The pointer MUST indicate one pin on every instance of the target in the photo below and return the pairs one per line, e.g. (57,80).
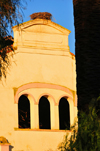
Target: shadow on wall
(11,147)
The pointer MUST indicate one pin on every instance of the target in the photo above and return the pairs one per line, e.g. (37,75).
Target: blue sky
(61,10)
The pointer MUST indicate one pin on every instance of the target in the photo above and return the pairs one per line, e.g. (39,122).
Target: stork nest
(41,15)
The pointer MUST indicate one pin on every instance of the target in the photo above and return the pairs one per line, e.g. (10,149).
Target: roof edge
(42,19)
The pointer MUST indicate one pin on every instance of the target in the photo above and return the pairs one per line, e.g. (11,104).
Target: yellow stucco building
(38,97)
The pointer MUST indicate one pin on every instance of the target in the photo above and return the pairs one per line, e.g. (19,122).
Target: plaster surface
(42,65)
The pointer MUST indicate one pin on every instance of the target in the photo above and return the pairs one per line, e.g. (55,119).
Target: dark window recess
(24,112)
(44,113)
(64,116)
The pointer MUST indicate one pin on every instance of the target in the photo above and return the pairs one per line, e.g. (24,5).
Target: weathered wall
(41,65)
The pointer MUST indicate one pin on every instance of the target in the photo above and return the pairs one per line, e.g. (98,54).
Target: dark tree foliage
(9,15)
(87,137)
(87,50)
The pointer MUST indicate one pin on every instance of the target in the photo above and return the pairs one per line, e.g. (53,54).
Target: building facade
(38,97)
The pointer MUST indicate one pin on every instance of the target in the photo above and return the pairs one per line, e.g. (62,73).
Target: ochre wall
(41,65)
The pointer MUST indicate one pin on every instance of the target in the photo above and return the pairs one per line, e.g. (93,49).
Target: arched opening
(64,116)
(44,113)
(23,112)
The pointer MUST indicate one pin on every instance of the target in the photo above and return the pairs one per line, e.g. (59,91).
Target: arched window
(44,113)
(24,112)
(64,116)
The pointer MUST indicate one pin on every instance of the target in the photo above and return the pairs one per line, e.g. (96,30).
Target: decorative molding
(48,95)
(42,130)
(40,85)
(76,99)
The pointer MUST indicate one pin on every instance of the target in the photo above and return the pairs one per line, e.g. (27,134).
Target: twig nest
(41,15)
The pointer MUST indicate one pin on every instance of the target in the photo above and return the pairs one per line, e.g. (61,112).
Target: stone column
(16,115)
(56,117)
(34,118)
(52,117)
(71,108)
(36,114)
(32,115)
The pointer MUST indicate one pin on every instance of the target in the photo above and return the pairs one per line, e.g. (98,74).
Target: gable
(41,33)
(45,25)
(42,29)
